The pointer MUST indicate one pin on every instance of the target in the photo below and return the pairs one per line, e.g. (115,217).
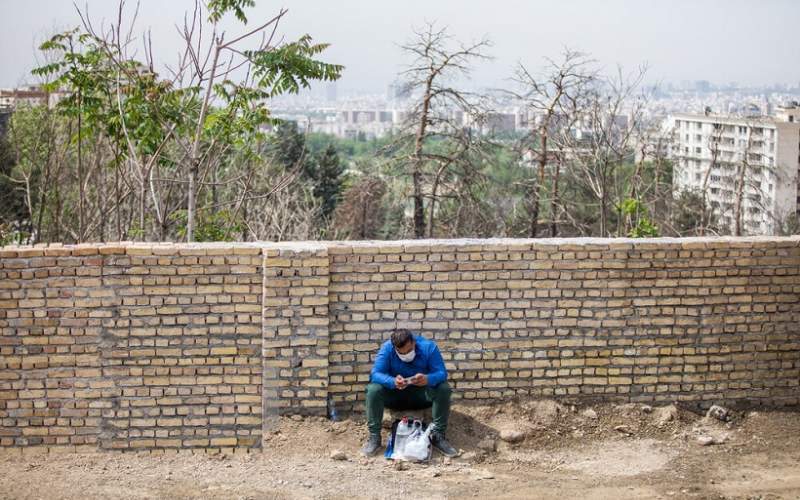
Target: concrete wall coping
(422,244)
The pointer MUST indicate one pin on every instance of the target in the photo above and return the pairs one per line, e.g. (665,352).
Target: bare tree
(714,145)
(607,132)
(554,99)
(441,109)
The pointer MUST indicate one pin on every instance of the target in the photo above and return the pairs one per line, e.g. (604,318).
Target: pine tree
(288,147)
(328,179)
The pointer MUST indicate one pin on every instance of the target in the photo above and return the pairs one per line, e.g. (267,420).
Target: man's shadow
(465,431)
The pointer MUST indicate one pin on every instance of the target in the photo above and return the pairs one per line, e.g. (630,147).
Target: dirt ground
(594,452)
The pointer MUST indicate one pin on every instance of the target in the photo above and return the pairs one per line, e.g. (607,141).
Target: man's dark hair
(401,337)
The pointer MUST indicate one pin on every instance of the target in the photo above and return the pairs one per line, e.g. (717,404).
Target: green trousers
(410,398)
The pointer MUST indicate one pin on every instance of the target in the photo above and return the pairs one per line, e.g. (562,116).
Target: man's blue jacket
(427,360)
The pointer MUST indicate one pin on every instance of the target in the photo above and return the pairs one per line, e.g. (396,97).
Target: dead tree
(606,140)
(551,97)
(439,108)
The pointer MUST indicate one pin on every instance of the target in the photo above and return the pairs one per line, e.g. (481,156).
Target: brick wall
(132,346)
(296,329)
(649,320)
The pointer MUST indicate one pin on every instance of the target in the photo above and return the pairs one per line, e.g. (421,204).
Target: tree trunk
(743,166)
(714,159)
(192,203)
(364,217)
(434,192)
(142,190)
(419,207)
(536,193)
(554,201)
(81,193)
(59,204)
(738,207)
(102,195)
(739,197)
(117,196)
(43,194)
(603,209)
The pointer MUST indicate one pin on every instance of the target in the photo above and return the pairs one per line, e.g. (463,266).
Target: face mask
(408,357)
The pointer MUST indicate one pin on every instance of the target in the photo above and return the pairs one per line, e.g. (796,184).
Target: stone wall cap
(347,246)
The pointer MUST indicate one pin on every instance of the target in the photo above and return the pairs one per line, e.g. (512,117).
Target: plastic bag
(418,445)
(407,433)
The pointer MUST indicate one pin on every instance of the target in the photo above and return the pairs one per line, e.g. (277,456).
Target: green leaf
(218,8)
(291,67)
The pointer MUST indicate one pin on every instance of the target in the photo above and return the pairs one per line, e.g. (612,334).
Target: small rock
(512,435)
(338,455)
(297,418)
(487,444)
(577,433)
(665,414)
(719,413)
(473,456)
(589,413)
(447,460)
(435,473)
(400,465)
(705,440)
(647,409)
(480,474)
(624,429)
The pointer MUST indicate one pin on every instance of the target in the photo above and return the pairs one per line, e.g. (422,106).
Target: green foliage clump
(642,226)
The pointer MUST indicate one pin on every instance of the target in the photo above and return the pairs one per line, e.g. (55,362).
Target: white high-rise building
(762,154)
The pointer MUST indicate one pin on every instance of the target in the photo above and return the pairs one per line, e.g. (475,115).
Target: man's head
(403,343)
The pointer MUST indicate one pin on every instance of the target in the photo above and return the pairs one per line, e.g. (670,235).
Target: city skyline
(717,41)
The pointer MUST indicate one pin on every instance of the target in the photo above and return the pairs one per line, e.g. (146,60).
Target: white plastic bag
(418,444)
(405,430)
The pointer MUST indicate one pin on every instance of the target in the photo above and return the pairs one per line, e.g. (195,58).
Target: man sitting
(409,374)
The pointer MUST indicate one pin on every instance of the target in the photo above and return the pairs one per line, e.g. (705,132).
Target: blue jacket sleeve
(438,372)
(380,370)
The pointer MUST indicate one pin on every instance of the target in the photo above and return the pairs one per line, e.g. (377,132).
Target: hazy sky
(748,41)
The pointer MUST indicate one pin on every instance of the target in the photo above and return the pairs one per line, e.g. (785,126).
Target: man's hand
(400,382)
(420,380)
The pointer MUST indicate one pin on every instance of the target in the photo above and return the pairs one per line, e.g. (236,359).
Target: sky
(752,42)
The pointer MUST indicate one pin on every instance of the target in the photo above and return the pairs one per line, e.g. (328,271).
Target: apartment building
(761,154)
(31,96)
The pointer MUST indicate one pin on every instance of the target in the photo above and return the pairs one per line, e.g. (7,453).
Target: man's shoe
(372,445)
(440,443)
